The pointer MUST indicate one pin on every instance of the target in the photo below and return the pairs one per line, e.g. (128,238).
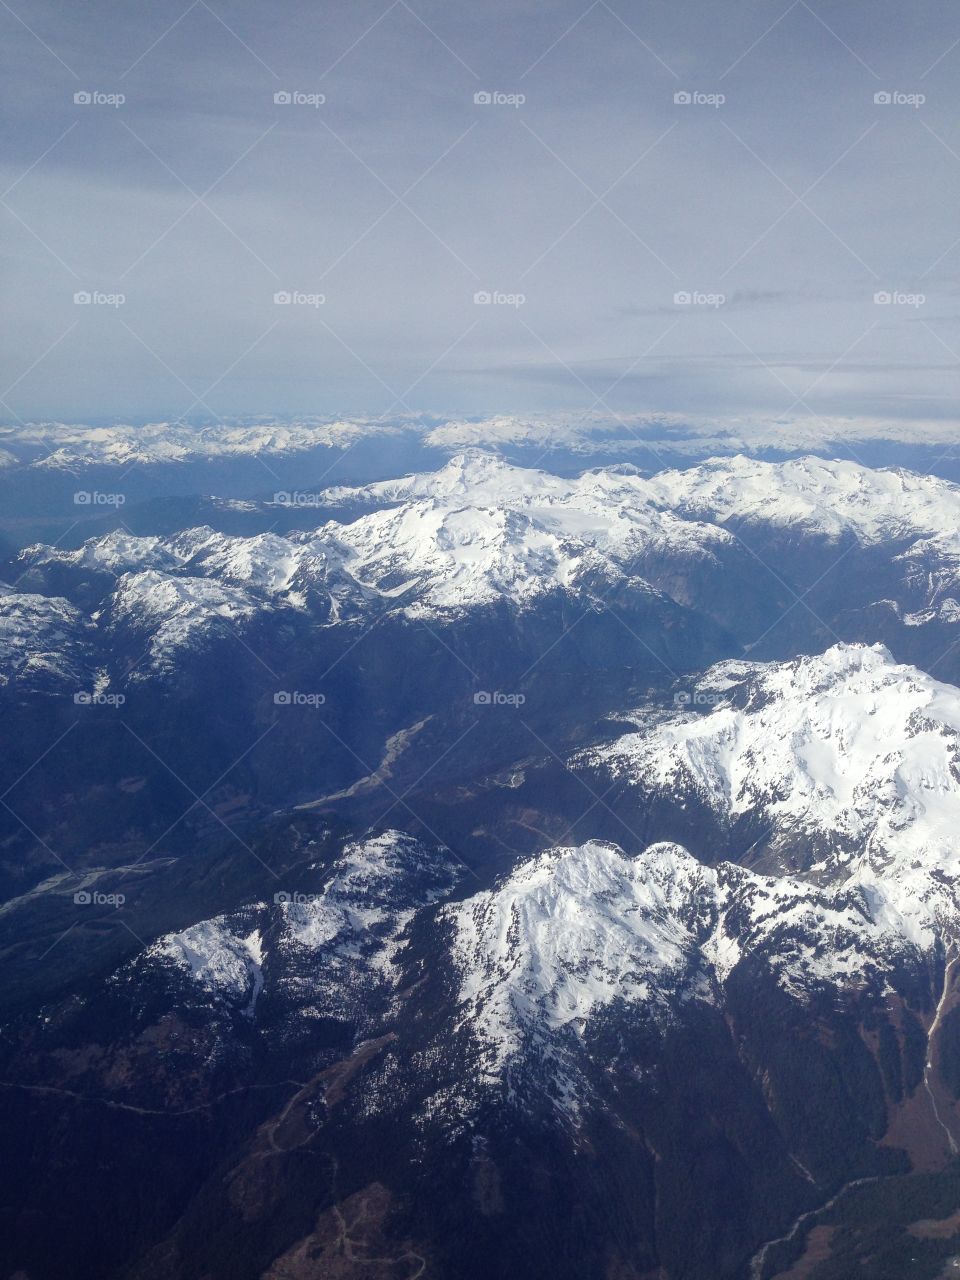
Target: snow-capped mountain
(480,533)
(867,553)
(217,959)
(577,933)
(54,446)
(45,644)
(847,764)
(810,495)
(57,446)
(170,615)
(813,496)
(439,561)
(570,937)
(357,1049)
(328,952)
(844,765)
(658,524)
(475,535)
(334,952)
(112,554)
(472,533)
(570,932)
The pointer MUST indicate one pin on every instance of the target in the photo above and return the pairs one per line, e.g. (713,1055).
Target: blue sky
(584,198)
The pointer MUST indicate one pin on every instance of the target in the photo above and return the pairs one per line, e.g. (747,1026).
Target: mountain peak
(846,761)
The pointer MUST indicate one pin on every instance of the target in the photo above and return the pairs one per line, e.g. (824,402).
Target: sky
(683,207)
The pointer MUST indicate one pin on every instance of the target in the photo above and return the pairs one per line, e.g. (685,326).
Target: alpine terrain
(482,871)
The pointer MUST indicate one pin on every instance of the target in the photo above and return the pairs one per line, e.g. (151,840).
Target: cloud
(398,197)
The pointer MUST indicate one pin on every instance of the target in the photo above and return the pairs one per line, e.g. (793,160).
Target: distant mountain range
(58,445)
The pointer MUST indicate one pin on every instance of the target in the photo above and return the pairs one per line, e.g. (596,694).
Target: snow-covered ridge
(374,887)
(578,930)
(459,513)
(480,531)
(176,611)
(64,446)
(45,643)
(323,951)
(814,495)
(111,553)
(848,754)
(69,446)
(216,958)
(473,533)
(572,930)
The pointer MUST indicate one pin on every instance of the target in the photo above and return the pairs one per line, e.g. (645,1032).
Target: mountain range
(510,871)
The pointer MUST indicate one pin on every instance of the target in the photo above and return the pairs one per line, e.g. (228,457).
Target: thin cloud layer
(390,208)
